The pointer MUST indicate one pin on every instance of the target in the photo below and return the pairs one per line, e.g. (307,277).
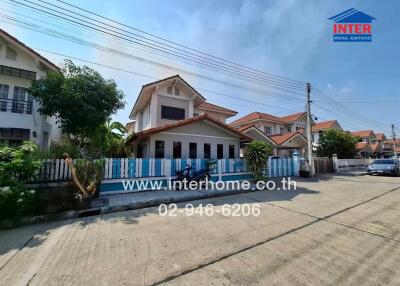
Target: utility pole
(309,141)
(394,142)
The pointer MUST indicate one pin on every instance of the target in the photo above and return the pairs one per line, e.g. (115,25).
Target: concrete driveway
(342,230)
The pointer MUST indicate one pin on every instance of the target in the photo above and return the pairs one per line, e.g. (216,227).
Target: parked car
(384,166)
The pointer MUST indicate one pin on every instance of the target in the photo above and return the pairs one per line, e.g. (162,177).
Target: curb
(157,202)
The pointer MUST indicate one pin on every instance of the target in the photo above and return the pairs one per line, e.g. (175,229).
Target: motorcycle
(201,177)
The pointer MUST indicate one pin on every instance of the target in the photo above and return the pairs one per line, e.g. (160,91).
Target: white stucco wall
(36,123)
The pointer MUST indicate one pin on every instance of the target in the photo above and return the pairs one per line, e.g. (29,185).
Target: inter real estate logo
(352,26)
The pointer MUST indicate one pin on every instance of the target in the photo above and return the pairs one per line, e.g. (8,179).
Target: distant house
(376,141)
(173,120)
(365,136)
(389,147)
(364,149)
(285,133)
(19,116)
(320,127)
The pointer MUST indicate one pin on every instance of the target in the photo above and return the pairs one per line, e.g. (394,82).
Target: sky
(284,37)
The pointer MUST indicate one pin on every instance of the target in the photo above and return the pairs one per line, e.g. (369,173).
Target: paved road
(335,231)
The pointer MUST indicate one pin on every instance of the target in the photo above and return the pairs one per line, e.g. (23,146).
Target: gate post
(335,163)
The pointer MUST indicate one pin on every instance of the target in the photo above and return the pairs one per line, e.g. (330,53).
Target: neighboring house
(376,141)
(320,127)
(19,118)
(389,148)
(172,120)
(364,149)
(365,136)
(130,127)
(285,133)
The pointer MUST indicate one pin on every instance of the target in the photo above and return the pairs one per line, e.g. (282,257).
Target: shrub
(256,154)
(17,165)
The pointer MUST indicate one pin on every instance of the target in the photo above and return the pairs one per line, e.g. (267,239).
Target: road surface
(342,230)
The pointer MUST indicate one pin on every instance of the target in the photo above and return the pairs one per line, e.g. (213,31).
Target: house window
(11,54)
(177,151)
(169,90)
(139,151)
(281,130)
(268,129)
(231,151)
(172,113)
(17,72)
(177,91)
(207,150)
(18,99)
(192,150)
(289,129)
(312,138)
(3,95)
(220,151)
(159,152)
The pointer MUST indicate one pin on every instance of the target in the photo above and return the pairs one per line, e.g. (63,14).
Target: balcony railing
(16,106)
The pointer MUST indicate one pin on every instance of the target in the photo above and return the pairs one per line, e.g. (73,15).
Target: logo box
(352,26)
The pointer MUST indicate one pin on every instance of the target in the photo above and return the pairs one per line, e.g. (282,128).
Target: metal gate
(323,165)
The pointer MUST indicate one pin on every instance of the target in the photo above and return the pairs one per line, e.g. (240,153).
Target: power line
(53,33)
(156,78)
(177,44)
(135,40)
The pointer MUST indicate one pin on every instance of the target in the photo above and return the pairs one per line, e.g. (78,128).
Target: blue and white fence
(118,170)
(143,168)
(283,167)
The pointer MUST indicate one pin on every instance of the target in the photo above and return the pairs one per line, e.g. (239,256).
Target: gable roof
(179,123)
(376,147)
(279,139)
(363,146)
(253,127)
(380,136)
(265,116)
(363,133)
(319,126)
(216,108)
(292,117)
(148,86)
(352,16)
(28,50)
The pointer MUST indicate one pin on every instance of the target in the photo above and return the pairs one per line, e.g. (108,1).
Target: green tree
(256,154)
(333,141)
(80,98)
(109,140)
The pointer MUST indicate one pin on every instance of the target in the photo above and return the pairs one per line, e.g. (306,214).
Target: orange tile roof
(292,117)
(390,141)
(380,136)
(363,133)
(265,116)
(376,147)
(282,138)
(361,145)
(179,123)
(216,108)
(323,125)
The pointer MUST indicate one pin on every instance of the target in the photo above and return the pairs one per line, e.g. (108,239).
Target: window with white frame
(18,99)
(3,95)
(268,130)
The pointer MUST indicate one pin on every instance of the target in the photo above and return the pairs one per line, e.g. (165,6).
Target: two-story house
(19,118)
(173,120)
(319,127)
(285,133)
(371,144)
(390,146)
